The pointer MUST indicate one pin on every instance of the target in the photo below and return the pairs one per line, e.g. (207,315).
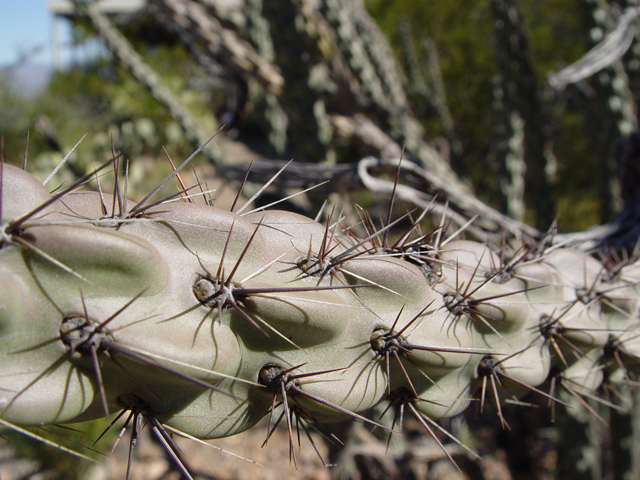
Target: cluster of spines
(520,321)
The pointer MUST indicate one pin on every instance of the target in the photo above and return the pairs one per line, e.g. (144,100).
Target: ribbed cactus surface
(204,320)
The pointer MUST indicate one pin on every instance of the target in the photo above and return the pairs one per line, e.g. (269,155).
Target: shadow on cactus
(201,321)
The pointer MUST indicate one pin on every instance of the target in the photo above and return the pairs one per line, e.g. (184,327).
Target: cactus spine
(203,320)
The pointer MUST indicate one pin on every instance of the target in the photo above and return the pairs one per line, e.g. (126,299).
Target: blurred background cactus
(492,151)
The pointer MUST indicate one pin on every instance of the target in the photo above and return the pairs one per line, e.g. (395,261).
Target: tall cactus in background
(613,107)
(202,321)
(521,90)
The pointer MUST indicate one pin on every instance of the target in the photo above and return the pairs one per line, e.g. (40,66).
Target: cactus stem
(113,347)
(613,348)
(460,302)
(402,247)
(503,272)
(138,212)
(615,261)
(386,343)
(139,410)
(273,377)
(280,382)
(91,337)
(14,225)
(490,367)
(219,292)
(565,382)
(139,207)
(400,398)
(477,305)
(93,347)
(47,371)
(119,195)
(316,265)
(10,231)
(29,246)
(552,331)
(302,417)
(487,369)
(403,240)
(345,255)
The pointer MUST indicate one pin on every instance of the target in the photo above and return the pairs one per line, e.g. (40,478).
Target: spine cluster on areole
(203,321)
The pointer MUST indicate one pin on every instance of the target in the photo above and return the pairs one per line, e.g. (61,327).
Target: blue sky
(25,25)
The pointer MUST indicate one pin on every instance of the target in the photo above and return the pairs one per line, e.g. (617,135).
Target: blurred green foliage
(101,98)
(463,32)
(104,100)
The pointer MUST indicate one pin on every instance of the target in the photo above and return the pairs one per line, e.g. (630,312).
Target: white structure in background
(63,10)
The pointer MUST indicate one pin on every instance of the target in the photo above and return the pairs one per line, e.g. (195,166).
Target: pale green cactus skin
(68,261)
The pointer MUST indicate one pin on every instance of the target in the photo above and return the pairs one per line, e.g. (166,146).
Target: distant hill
(27,79)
